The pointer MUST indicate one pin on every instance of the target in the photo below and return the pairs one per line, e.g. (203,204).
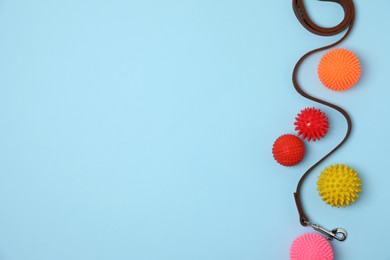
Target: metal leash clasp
(336,233)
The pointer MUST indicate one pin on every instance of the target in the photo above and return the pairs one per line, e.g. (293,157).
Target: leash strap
(346,23)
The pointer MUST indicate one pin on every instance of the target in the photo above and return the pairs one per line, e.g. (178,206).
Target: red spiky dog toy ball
(288,150)
(312,124)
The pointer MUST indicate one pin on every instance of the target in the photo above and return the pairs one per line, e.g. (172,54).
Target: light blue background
(143,130)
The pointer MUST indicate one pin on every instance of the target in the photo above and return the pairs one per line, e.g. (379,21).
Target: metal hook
(336,233)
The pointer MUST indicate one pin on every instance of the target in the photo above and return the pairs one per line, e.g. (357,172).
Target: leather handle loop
(307,22)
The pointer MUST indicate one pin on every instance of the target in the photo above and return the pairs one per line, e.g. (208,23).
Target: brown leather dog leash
(347,23)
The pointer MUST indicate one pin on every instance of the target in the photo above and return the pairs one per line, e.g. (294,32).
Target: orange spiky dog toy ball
(339,69)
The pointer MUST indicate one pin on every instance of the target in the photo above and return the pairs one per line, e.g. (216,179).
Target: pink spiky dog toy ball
(311,246)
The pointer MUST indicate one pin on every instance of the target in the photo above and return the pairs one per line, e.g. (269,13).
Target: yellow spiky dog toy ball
(339,185)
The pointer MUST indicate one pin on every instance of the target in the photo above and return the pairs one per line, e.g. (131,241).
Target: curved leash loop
(346,23)
(307,22)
